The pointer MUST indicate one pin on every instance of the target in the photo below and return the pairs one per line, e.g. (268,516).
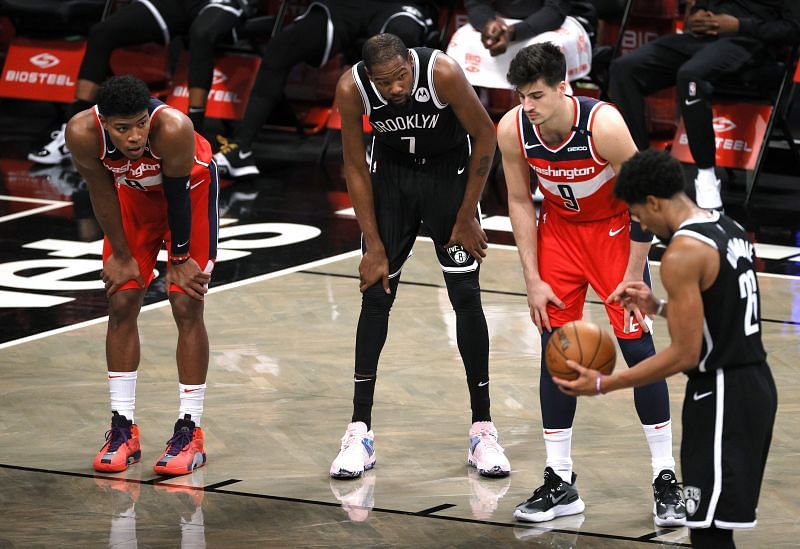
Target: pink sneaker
(357,453)
(485,453)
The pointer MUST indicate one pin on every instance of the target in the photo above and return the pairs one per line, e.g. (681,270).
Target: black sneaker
(669,508)
(554,498)
(234,161)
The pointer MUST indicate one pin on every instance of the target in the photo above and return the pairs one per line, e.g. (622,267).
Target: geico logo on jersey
(722,124)
(33,77)
(410,122)
(458,254)
(219,77)
(422,95)
(581,148)
(569,173)
(45,60)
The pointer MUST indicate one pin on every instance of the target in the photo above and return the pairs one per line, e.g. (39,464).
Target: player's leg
(651,401)
(309,39)
(398,223)
(559,266)
(185,450)
(440,190)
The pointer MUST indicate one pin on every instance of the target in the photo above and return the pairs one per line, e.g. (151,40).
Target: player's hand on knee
(374,267)
(117,271)
(190,278)
(470,235)
(539,295)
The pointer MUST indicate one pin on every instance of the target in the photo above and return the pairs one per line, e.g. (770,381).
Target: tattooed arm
(452,87)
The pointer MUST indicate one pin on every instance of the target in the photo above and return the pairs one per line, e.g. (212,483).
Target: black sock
(198,116)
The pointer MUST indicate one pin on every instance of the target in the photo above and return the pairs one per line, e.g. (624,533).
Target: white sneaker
(357,453)
(54,152)
(707,195)
(485,454)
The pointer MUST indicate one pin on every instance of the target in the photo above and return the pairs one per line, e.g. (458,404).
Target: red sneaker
(185,451)
(121,448)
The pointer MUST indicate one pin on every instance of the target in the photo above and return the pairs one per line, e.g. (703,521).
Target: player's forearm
(523,223)
(637,259)
(359,188)
(479,165)
(105,204)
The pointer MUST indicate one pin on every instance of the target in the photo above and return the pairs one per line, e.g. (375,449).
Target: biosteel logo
(219,77)
(45,60)
(722,124)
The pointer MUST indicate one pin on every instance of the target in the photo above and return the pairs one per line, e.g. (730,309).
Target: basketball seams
(597,347)
(576,335)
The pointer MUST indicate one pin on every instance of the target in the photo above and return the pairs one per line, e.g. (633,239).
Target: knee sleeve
(464,290)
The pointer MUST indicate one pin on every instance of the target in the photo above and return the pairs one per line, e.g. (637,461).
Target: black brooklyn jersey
(424,126)
(732,323)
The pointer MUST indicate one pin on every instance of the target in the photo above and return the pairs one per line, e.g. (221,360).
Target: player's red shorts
(573,256)
(144,221)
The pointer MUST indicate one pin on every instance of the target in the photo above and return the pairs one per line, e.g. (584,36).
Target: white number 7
(412,144)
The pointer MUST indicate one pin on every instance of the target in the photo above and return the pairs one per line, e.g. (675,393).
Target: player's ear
(653,203)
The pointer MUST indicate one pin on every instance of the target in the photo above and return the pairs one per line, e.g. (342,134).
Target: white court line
(164,302)
(49,205)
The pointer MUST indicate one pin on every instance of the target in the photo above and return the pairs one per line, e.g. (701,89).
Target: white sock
(659,438)
(559,449)
(192,397)
(706,187)
(122,387)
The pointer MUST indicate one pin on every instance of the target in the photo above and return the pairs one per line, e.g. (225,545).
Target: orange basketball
(585,343)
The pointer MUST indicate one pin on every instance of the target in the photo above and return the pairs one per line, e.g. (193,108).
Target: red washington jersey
(576,183)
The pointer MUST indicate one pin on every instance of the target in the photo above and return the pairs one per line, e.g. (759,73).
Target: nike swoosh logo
(559,498)
(190,390)
(461,170)
(483,384)
(701,396)
(376,107)
(195,185)
(182,245)
(532,146)
(662,425)
(360,380)
(553,432)
(691,102)
(615,233)
(245,156)
(114,377)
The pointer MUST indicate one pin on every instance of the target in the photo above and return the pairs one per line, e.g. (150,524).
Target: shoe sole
(494,472)
(342,474)
(229,171)
(48,161)
(675,522)
(133,458)
(558,511)
(193,466)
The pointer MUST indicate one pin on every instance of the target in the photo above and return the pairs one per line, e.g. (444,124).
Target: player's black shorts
(351,20)
(407,193)
(727,428)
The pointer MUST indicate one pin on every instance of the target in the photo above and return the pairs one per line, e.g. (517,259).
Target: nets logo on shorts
(458,254)
(691,495)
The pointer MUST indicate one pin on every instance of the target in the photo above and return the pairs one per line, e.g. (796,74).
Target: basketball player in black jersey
(432,146)
(713,314)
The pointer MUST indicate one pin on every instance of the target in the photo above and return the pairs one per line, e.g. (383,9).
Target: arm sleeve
(179,213)
(547,18)
(479,12)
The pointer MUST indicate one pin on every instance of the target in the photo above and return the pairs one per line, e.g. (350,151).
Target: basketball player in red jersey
(584,236)
(151,181)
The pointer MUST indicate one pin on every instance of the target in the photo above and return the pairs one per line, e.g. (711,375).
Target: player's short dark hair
(650,172)
(544,60)
(382,48)
(123,96)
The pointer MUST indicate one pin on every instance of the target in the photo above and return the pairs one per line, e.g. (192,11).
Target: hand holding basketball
(583,342)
